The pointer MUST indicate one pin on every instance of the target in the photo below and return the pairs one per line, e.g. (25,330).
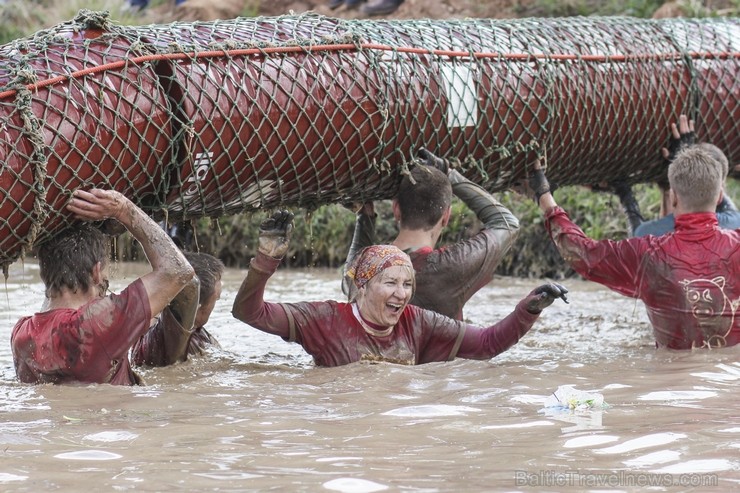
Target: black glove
(676,145)
(543,296)
(429,159)
(275,234)
(539,184)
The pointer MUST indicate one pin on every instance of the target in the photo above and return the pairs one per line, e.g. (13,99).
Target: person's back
(448,276)
(84,335)
(63,345)
(688,280)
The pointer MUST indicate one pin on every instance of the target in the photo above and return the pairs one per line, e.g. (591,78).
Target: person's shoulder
(423,252)
(136,288)
(482,241)
(60,322)
(337,305)
(23,324)
(656,227)
(325,308)
(410,314)
(413,313)
(729,219)
(23,320)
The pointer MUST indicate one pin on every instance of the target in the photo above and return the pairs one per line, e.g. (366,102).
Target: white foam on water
(354,485)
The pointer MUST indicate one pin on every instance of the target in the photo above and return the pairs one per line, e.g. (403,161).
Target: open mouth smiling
(395,307)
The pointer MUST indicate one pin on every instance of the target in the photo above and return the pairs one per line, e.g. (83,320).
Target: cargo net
(211,119)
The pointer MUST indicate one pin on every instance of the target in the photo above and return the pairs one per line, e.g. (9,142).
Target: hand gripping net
(210,119)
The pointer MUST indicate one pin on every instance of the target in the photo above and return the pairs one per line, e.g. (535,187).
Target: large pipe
(208,119)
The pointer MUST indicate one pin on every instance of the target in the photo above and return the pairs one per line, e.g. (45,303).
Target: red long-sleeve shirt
(689,280)
(332,333)
(155,347)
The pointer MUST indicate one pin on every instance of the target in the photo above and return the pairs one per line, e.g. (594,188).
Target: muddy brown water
(258,416)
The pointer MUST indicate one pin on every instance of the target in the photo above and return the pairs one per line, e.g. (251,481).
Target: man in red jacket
(689,280)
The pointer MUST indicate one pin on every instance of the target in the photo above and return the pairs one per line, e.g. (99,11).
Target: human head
(75,260)
(423,198)
(209,270)
(373,260)
(384,280)
(696,179)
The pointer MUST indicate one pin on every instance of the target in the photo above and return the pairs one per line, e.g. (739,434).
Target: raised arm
(487,209)
(611,263)
(485,343)
(249,304)
(170,270)
(682,137)
(363,236)
(167,340)
(183,306)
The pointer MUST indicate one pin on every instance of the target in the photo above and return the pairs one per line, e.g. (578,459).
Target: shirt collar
(696,220)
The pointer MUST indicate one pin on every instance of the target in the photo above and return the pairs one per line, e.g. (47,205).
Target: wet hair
(716,153)
(67,260)
(209,270)
(423,197)
(696,178)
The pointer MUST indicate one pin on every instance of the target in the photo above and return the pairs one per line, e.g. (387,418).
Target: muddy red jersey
(688,280)
(86,345)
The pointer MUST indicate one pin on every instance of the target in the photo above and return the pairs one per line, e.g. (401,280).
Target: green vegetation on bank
(321,237)
(632,8)
(19,18)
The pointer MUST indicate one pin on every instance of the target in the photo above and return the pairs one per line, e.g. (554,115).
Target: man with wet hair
(688,280)
(446,277)
(179,332)
(83,334)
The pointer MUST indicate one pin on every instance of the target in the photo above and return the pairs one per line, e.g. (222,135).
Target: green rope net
(211,119)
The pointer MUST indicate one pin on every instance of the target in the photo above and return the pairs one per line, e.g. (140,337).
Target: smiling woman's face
(383,299)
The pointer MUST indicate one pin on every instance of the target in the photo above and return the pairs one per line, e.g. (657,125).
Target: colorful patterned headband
(373,260)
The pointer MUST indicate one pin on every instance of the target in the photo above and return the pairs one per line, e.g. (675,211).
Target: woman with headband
(378,324)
